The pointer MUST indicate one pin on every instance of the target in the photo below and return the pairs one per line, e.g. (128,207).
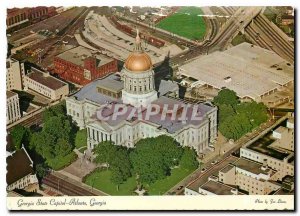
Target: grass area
(240,38)
(162,186)
(101,181)
(61,162)
(80,139)
(185,22)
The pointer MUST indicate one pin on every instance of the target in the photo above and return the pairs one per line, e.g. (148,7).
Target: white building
(15,73)
(277,150)
(136,88)
(45,84)
(20,173)
(13,112)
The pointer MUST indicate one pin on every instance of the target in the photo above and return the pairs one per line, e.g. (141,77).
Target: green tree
(63,147)
(117,176)
(169,150)
(122,161)
(41,170)
(226,96)
(148,159)
(225,111)
(20,135)
(189,159)
(44,144)
(105,152)
(59,127)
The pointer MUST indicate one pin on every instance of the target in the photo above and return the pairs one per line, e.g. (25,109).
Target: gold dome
(138,60)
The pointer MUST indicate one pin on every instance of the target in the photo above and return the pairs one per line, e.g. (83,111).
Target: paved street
(218,155)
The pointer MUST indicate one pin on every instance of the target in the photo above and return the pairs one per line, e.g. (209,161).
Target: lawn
(81,139)
(185,22)
(62,162)
(162,186)
(101,180)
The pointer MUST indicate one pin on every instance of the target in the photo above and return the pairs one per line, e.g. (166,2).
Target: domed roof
(138,60)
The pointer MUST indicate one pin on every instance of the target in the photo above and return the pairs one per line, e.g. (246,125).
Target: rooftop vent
(213,178)
(234,191)
(264,167)
(227,79)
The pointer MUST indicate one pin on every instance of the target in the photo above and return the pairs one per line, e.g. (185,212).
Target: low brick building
(81,65)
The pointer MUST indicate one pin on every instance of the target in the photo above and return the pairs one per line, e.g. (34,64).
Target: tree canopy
(189,159)
(153,158)
(226,96)
(20,135)
(238,118)
(57,136)
(150,160)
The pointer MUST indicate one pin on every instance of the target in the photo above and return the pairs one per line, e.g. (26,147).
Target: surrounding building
(242,176)
(13,112)
(252,72)
(81,65)
(45,84)
(287,19)
(276,149)
(255,178)
(136,88)
(20,173)
(15,73)
(20,17)
(217,188)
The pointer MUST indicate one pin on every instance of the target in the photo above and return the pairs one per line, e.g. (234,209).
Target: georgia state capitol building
(135,86)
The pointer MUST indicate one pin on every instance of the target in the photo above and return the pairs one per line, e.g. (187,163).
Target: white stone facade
(15,73)
(13,112)
(46,85)
(23,182)
(127,134)
(138,88)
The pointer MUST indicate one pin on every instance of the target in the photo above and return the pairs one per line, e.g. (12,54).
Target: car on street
(214,162)
(180,187)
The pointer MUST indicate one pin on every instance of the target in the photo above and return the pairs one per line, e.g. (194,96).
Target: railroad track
(65,187)
(262,33)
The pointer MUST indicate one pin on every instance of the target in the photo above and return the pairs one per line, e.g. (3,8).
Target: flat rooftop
(45,79)
(249,70)
(204,177)
(89,92)
(262,145)
(114,83)
(218,188)
(251,166)
(227,168)
(78,54)
(10,94)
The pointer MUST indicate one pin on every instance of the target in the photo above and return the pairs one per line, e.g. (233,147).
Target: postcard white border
(129,202)
(224,202)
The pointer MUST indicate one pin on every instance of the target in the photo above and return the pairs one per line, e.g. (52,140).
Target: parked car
(214,162)
(180,187)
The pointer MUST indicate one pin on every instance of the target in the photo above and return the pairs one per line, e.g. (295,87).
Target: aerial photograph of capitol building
(150,101)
